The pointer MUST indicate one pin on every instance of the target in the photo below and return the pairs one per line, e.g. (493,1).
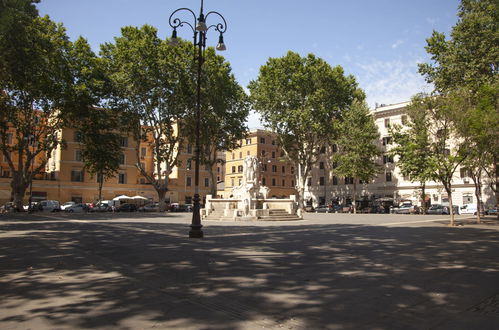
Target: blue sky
(380,42)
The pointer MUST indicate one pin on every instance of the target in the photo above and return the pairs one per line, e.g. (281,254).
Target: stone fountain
(249,200)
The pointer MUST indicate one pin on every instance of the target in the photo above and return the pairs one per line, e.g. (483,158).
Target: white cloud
(431,20)
(390,82)
(397,43)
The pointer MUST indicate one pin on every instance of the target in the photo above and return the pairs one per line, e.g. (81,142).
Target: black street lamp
(199,28)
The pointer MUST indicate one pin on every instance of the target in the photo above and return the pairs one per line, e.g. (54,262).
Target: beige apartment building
(275,173)
(65,179)
(324,187)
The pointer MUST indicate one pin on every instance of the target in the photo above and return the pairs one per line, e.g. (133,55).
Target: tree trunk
(162,197)
(101,183)
(213,184)
(451,209)
(18,191)
(354,202)
(478,194)
(423,197)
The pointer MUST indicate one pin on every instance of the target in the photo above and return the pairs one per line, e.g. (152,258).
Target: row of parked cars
(104,206)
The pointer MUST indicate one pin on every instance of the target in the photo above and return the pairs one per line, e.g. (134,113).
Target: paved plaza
(328,271)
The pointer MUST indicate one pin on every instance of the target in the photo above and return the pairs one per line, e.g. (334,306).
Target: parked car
(405,208)
(50,206)
(127,207)
(324,209)
(468,209)
(76,208)
(66,205)
(101,207)
(309,208)
(438,209)
(491,211)
(152,207)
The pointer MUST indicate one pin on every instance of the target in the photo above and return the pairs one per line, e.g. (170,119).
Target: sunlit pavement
(328,271)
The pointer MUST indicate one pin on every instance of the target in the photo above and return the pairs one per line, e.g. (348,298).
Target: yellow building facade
(65,178)
(275,173)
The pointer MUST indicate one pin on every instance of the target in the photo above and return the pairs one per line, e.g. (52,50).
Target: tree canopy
(299,98)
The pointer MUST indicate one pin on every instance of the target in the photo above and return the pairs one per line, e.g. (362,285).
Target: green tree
(299,99)
(225,109)
(443,133)
(37,87)
(150,84)
(412,147)
(357,149)
(465,69)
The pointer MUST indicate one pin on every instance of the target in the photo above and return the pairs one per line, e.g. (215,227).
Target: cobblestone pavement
(328,271)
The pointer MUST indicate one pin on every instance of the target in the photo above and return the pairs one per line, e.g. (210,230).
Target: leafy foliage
(299,99)
(357,149)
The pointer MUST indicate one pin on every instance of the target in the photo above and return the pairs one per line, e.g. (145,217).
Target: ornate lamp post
(199,28)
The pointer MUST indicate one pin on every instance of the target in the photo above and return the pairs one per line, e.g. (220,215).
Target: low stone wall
(232,208)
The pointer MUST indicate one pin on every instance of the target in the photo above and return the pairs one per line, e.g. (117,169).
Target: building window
(273,182)
(77,175)
(335,164)
(143,166)
(273,154)
(263,181)
(248,141)
(9,138)
(248,153)
(232,182)
(274,168)
(189,149)
(233,155)
(467,199)
(262,140)
(122,159)
(273,142)
(189,164)
(387,159)
(124,141)
(143,152)
(122,178)
(78,155)
(321,165)
(292,170)
(240,168)
(309,182)
(321,181)
(335,148)
(188,181)
(206,182)
(388,176)
(292,183)
(263,153)
(335,180)
(240,181)
(218,169)
(348,180)
(404,119)
(265,167)
(323,150)
(387,122)
(283,169)
(387,140)
(240,154)
(233,169)
(284,183)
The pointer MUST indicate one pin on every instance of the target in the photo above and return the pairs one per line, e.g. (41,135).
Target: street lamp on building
(199,29)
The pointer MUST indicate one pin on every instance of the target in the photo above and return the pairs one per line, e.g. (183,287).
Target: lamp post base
(196,231)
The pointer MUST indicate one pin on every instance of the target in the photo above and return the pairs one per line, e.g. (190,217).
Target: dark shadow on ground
(133,274)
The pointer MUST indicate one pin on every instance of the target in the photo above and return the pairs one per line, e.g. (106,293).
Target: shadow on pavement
(137,275)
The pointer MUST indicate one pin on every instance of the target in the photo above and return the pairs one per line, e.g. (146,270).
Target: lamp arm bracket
(218,27)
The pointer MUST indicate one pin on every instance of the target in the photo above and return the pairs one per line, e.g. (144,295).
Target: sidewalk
(145,273)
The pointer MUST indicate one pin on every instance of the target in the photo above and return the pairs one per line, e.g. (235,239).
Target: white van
(50,205)
(468,209)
